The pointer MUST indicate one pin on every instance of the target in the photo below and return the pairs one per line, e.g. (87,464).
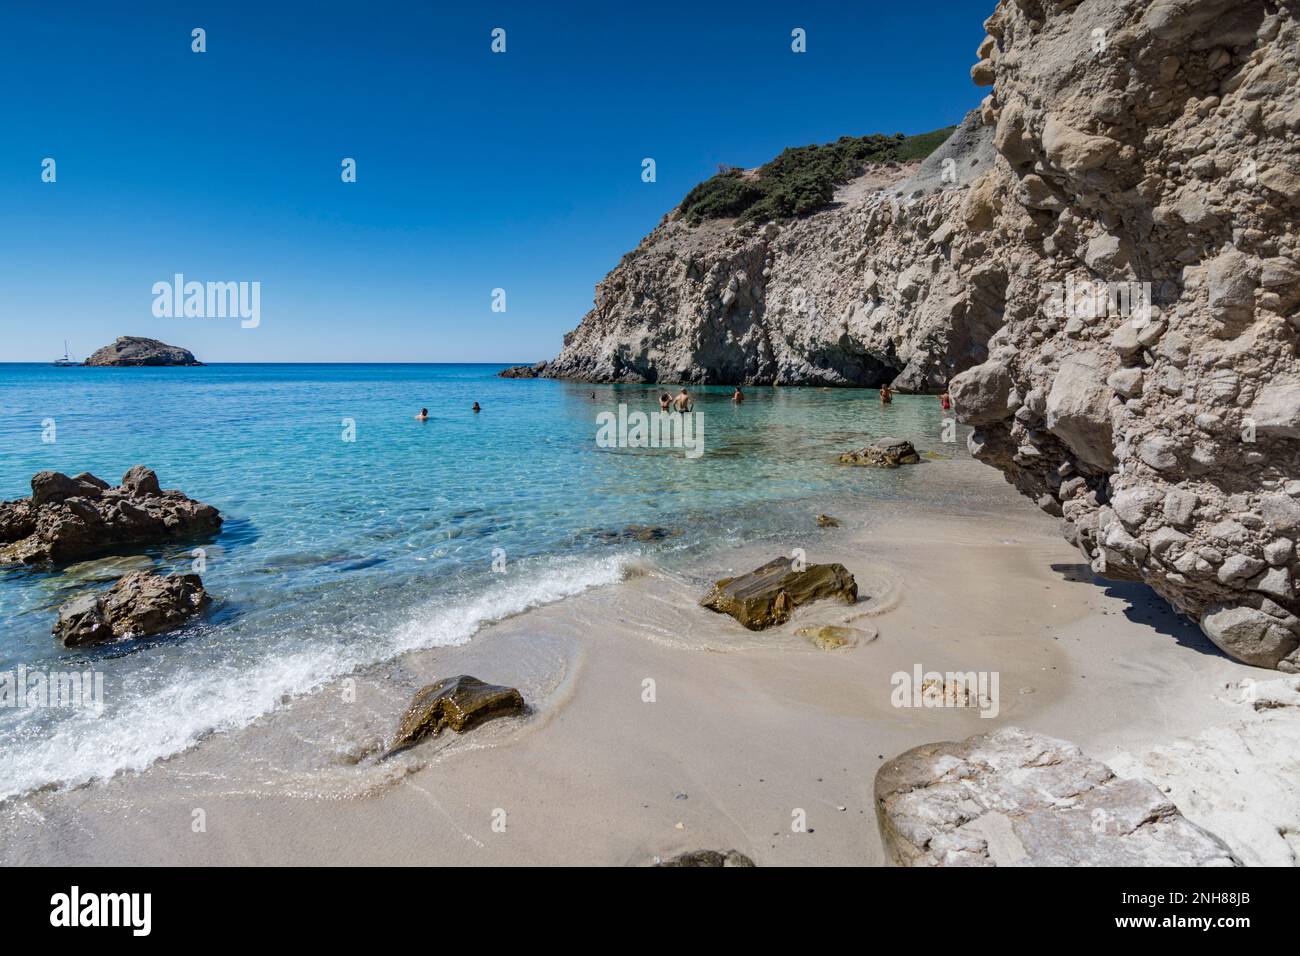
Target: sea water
(354,533)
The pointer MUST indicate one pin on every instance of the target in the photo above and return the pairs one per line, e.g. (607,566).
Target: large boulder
(1249,634)
(1077,409)
(68,519)
(459,702)
(980,394)
(1014,798)
(135,350)
(768,595)
(141,604)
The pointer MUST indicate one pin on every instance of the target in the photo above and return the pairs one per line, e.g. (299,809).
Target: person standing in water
(476,408)
(886,395)
(683,401)
(665,402)
(738,396)
(423,416)
(945,400)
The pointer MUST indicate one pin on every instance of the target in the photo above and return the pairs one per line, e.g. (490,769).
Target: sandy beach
(657,726)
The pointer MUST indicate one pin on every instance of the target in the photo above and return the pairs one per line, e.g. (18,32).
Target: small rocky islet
(134,350)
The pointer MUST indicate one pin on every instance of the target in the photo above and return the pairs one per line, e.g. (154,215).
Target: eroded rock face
(134,350)
(768,595)
(1151,147)
(1013,798)
(865,292)
(457,702)
(885,453)
(140,604)
(67,519)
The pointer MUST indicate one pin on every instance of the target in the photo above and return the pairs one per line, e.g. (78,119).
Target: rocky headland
(134,350)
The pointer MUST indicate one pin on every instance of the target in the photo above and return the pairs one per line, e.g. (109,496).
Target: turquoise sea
(339,554)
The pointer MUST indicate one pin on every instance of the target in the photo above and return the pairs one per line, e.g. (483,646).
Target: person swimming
(423,416)
(738,396)
(476,408)
(683,401)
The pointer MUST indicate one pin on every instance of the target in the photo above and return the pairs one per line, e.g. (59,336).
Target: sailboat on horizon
(66,361)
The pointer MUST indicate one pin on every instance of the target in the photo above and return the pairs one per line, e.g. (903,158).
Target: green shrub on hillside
(801,179)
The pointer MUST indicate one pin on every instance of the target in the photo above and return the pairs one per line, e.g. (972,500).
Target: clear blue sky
(475,171)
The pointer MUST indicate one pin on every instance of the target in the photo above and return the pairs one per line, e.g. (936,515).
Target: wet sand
(746,732)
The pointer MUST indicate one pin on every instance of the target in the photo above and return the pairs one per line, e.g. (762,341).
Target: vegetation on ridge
(802,179)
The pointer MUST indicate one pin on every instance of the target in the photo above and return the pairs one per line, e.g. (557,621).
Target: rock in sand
(768,595)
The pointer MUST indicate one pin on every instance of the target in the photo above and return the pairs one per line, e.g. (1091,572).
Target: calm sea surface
(338,554)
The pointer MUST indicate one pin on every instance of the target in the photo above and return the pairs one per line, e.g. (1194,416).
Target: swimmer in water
(423,416)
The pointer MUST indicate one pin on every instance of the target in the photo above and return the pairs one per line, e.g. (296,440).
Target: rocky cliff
(134,350)
(1106,250)
(1145,385)
(864,291)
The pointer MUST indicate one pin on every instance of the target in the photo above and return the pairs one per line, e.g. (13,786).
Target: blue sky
(475,170)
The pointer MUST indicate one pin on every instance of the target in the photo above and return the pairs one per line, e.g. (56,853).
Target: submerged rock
(885,453)
(140,604)
(458,702)
(67,519)
(1014,798)
(768,595)
(134,350)
(708,858)
(829,637)
(638,532)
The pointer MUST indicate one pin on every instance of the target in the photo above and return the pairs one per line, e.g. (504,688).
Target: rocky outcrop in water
(67,519)
(860,293)
(885,453)
(1146,207)
(141,604)
(459,702)
(768,595)
(1013,798)
(523,371)
(133,350)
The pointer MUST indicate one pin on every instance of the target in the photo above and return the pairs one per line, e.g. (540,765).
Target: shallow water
(338,554)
